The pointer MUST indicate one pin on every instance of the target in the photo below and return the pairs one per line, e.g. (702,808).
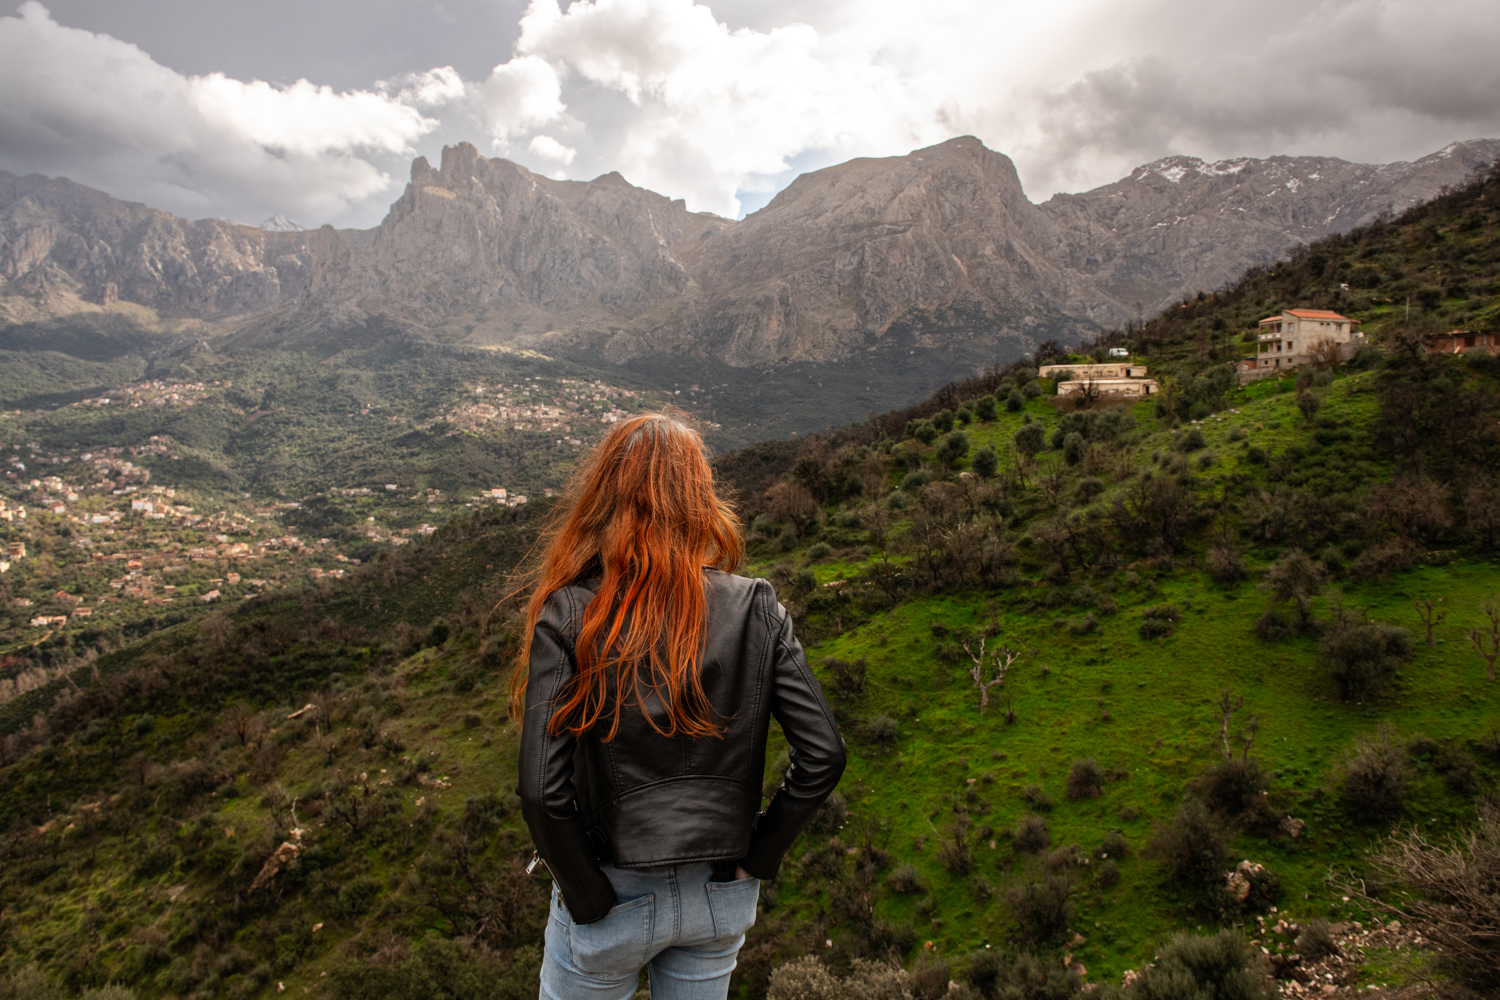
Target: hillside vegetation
(1207,607)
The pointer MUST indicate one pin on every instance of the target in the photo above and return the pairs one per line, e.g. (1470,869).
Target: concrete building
(1110,386)
(1463,342)
(1295,337)
(1117,378)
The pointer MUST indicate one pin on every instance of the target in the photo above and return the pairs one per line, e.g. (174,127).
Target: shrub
(1361,656)
(953,447)
(1225,560)
(1381,560)
(439,967)
(1332,559)
(1042,909)
(28,983)
(1031,438)
(1233,787)
(915,480)
(906,880)
(1084,626)
(1032,835)
(818,551)
(924,431)
(1066,857)
(1193,967)
(985,462)
(1163,612)
(1155,628)
(1316,941)
(882,729)
(985,409)
(110,992)
(1191,441)
(1255,455)
(1107,874)
(1375,779)
(886,937)
(1273,626)
(1085,779)
(1115,845)
(1031,390)
(1015,401)
(831,815)
(357,894)
(1024,979)
(1037,797)
(849,676)
(955,855)
(1073,448)
(1193,848)
(1088,488)
(943,421)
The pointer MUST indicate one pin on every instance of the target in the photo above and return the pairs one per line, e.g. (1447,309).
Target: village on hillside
(92,536)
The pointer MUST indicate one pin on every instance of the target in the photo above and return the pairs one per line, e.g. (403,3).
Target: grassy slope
(1162,727)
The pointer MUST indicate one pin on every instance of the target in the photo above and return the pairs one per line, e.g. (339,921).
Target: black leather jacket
(644,800)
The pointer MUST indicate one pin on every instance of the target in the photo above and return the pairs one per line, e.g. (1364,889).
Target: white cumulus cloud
(549,148)
(102,112)
(679,102)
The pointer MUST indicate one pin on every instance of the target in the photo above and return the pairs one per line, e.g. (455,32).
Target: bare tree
(1486,640)
(998,660)
(1088,393)
(1053,480)
(1326,354)
(792,502)
(237,722)
(1296,578)
(1451,897)
(1430,616)
(1229,704)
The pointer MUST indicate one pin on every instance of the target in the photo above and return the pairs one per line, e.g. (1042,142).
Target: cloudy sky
(313,108)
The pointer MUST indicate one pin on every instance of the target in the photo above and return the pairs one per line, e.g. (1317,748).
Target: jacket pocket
(732,905)
(619,943)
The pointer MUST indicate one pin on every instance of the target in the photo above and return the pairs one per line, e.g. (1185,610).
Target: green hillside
(1216,550)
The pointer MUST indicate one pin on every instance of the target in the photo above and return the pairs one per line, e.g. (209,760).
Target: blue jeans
(686,929)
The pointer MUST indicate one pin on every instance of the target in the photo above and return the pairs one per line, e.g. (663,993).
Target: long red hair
(642,513)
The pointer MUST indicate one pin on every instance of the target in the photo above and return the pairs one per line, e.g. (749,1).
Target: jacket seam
(766,649)
(727,779)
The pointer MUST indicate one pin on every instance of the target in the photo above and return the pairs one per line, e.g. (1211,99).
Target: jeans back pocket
(617,944)
(732,905)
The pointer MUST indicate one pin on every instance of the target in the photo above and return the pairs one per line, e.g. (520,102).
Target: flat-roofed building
(1109,386)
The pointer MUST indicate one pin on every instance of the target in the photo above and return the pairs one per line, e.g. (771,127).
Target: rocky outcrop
(59,236)
(488,252)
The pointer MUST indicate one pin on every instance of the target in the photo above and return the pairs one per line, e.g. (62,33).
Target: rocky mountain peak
(942,239)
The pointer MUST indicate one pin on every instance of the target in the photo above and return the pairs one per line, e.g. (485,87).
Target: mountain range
(942,242)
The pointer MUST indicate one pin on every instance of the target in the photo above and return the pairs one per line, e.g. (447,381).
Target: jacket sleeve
(817,753)
(545,786)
